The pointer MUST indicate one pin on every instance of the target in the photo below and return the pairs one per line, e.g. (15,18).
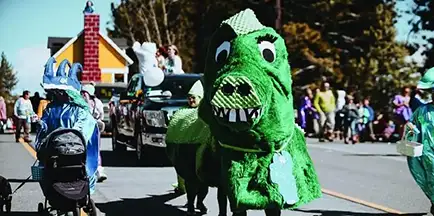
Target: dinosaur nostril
(228,88)
(244,89)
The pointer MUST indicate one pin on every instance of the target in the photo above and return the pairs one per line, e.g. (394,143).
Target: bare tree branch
(129,32)
(144,20)
(154,21)
(165,23)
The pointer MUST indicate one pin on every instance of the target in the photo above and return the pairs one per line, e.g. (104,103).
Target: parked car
(141,117)
(106,92)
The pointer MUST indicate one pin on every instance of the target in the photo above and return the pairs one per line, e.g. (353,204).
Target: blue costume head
(60,80)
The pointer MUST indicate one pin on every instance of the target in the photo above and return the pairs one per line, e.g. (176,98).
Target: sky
(27,24)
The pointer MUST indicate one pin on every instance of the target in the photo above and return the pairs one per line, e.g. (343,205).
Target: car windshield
(105,93)
(179,86)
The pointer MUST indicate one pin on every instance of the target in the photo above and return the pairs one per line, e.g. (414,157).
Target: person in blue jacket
(67,109)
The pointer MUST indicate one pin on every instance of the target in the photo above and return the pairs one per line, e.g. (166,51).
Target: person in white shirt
(23,112)
(96,108)
(173,64)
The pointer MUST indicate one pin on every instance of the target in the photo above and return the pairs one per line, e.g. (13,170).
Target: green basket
(37,172)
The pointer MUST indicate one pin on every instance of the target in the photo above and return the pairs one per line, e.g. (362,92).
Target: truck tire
(140,148)
(116,147)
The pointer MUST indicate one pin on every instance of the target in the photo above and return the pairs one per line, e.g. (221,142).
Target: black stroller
(64,181)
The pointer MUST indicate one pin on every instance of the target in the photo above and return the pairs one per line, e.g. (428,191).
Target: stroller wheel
(76,212)
(40,209)
(91,208)
(8,207)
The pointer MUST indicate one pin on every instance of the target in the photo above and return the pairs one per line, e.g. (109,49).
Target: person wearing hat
(419,96)
(67,109)
(188,183)
(422,125)
(194,96)
(97,110)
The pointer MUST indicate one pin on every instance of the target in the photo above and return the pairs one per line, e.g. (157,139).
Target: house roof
(56,41)
(52,41)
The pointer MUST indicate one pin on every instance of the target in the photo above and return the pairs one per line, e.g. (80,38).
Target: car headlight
(154,118)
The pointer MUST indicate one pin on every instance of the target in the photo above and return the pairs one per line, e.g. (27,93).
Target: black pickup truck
(141,116)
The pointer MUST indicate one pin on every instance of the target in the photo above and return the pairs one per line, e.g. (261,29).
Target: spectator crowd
(331,115)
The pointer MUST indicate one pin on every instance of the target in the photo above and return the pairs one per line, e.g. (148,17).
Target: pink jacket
(2,110)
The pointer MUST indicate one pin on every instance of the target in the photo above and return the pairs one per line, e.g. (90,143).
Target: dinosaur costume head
(247,84)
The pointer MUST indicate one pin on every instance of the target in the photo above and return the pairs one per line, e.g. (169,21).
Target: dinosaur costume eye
(268,51)
(222,52)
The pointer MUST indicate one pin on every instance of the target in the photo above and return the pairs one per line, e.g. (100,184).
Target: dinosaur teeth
(227,111)
(243,116)
(256,113)
(237,115)
(233,115)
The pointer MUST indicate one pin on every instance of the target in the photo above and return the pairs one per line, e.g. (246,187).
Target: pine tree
(8,79)
(350,41)
(422,26)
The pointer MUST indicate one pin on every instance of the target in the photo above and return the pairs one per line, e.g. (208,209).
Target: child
(351,113)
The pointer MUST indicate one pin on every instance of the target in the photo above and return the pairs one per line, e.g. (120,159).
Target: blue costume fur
(73,114)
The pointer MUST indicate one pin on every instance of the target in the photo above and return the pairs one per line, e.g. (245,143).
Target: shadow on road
(21,180)
(375,155)
(348,213)
(157,158)
(153,205)
(18,213)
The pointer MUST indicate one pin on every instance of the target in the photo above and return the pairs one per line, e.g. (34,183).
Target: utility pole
(278,16)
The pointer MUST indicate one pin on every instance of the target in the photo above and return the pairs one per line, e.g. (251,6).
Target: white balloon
(148,64)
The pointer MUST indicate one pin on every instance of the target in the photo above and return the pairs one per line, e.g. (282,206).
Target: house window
(119,77)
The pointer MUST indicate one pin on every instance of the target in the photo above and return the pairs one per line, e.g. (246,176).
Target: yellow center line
(326,191)
(32,152)
(362,202)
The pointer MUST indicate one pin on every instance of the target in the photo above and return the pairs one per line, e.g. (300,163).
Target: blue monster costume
(72,114)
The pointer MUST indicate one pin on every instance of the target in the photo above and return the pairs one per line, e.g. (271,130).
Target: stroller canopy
(62,141)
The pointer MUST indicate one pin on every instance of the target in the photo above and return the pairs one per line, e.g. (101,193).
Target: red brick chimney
(91,70)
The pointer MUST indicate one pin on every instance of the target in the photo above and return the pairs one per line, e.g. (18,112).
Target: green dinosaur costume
(247,121)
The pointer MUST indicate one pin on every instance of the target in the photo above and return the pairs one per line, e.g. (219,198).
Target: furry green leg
(180,186)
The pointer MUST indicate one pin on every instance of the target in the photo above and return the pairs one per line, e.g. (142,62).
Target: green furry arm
(187,128)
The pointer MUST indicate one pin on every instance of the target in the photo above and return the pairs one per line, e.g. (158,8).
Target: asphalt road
(364,173)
